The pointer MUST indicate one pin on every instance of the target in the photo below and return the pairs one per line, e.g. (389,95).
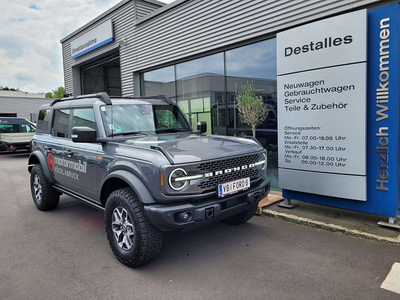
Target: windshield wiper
(128,133)
(171,130)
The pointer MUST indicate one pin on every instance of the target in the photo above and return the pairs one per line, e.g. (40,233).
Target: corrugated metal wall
(127,51)
(122,23)
(144,8)
(198,26)
(123,26)
(67,65)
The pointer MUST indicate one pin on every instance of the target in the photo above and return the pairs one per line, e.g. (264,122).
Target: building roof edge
(159,11)
(107,12)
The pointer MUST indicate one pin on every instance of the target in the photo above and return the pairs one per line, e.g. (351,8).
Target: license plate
(232,187)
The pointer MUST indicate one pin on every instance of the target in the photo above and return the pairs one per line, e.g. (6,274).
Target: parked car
(16,133)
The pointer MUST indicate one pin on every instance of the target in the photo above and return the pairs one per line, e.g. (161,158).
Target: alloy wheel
(123,228)
(37,187)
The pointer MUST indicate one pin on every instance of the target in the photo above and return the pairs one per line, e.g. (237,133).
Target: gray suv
(139,161)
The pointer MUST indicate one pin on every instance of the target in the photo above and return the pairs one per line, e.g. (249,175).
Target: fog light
(185,216)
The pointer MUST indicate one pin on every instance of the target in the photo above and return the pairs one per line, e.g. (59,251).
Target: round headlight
(178,185)
(262,162)
(265,158)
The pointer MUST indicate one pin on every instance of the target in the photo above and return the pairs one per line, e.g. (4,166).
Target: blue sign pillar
(383,110)
(382,120)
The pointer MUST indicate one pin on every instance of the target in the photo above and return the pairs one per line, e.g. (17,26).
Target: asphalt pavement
(64,254)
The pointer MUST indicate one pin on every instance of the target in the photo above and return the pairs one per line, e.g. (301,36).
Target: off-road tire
(242,217)
(44,195)
(147,240)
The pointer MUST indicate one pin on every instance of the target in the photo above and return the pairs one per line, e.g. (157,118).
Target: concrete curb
(329,227)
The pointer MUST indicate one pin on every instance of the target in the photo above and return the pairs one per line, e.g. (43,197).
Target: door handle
(69,153)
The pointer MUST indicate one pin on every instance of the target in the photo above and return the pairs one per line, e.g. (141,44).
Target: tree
(251,108)
(6,88)
(57,93)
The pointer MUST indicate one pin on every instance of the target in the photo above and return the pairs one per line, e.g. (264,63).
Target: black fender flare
(135,184)
(37,155)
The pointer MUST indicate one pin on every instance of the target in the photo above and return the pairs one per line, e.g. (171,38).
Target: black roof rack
(160,97)
(103,96)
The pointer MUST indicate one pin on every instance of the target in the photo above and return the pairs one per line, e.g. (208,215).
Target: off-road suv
(139,161)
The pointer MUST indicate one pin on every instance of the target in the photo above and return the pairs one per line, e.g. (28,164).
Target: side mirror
(202,127)
(83,135)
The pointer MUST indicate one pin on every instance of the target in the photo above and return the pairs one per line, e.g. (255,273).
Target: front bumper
(166,217)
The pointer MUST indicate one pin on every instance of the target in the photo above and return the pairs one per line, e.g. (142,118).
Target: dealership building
(201,52)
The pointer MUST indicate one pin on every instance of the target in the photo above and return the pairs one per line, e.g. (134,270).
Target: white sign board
(322,107)
(93,39)
(330,42)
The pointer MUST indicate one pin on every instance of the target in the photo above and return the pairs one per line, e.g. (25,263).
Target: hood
(186,148)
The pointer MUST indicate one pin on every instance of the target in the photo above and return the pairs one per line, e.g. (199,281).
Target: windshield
(142,118)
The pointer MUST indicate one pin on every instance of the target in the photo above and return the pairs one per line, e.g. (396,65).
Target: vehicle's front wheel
(43,193)
(242,217)
(133,239)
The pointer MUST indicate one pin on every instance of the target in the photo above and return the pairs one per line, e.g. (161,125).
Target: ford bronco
(139,161)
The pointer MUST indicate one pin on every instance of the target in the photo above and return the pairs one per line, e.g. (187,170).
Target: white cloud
(30,34)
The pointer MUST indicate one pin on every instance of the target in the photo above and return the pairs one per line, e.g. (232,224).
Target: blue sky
(30,34)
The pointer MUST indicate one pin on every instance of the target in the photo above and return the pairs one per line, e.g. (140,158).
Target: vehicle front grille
(221,165)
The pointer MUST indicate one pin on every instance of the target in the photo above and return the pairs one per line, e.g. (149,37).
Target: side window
(27,128)
(165,118)
(84,117)
(43,121)
(61,123)
(9,128)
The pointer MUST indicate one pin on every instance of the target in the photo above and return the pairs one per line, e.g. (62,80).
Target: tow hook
(205,213)
(210,213)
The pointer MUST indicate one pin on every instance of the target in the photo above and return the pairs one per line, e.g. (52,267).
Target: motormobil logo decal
(50,161)
(69,164)
(66,167)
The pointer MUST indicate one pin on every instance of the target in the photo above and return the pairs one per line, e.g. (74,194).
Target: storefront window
(198,82)
(205,89)
(256,64)
(159,82)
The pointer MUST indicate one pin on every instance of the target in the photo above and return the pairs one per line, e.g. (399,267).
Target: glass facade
(198,83)
(159,82)
(255,63)
(205,89)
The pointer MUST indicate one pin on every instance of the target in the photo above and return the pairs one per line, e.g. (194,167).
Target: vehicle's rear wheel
(43,193)
(242,217)
(133,239)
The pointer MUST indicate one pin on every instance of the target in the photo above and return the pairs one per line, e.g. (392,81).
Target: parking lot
(64,254)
